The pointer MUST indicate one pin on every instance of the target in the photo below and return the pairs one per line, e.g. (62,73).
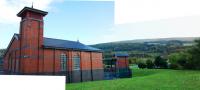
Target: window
(17,66)
(63,62)
(76,62)
(9,63)
(13,65)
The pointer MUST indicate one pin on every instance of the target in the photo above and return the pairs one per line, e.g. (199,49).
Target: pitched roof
(15,36)
(66,44)
(63,44)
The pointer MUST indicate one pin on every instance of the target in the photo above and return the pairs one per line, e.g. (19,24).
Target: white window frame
(63,62)
(76,62)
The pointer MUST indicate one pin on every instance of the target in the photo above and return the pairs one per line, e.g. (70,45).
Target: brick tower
(31,40)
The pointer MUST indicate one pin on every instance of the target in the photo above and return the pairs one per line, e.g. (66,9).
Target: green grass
(146,79)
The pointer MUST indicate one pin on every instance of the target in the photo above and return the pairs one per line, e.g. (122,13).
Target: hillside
(147,47)
(140,44)
(184,39)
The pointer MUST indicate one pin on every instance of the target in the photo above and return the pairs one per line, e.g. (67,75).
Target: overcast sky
(99,22)
(145,19)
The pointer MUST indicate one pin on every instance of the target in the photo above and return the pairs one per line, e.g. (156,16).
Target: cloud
(128,11)
(9,8)
(187,26)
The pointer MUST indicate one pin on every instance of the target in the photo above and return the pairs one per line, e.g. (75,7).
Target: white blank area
(130,11)
(16,82)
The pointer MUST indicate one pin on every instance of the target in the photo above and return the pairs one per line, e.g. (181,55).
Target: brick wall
(26,55)
(12,56)
(122,62)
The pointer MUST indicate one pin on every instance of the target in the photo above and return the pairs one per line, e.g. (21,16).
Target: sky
(100,21)
(146,19)
(68,20)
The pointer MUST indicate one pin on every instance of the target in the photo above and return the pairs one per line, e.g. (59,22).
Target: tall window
(76,62)
(17,66)
(10,63)
(63,62)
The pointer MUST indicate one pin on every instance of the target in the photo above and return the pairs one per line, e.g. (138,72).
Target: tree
(149,64)
(160,62)
(141,65)
(173,66)
(179,60)
(194,62)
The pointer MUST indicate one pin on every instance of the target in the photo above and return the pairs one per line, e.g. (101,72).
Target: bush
(180,60)
(160,62)
(132,60)
(189,66)
(142,65)
(173,66)
(140,60)
(149,64)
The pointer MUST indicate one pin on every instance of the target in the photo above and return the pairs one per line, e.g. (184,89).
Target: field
(146,79)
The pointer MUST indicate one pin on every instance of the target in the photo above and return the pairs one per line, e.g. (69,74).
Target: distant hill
(159,45)
(184,39)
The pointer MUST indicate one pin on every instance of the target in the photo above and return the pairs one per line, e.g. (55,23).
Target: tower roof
(25,9)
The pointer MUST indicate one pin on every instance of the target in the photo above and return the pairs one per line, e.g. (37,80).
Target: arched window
(76,62)
(63,62)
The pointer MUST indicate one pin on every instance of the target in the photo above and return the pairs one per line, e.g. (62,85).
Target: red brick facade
(122,62)
(122,66)
(26,54)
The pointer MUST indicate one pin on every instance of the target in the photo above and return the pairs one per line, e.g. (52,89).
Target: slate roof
(121,54)
(66,44)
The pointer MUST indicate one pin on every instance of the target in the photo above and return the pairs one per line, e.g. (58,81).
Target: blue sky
(79,20)
(70,20)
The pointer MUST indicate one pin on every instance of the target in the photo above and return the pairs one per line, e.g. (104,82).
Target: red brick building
(29,53)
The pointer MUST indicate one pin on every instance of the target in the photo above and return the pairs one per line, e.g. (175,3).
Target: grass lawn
(146,79)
